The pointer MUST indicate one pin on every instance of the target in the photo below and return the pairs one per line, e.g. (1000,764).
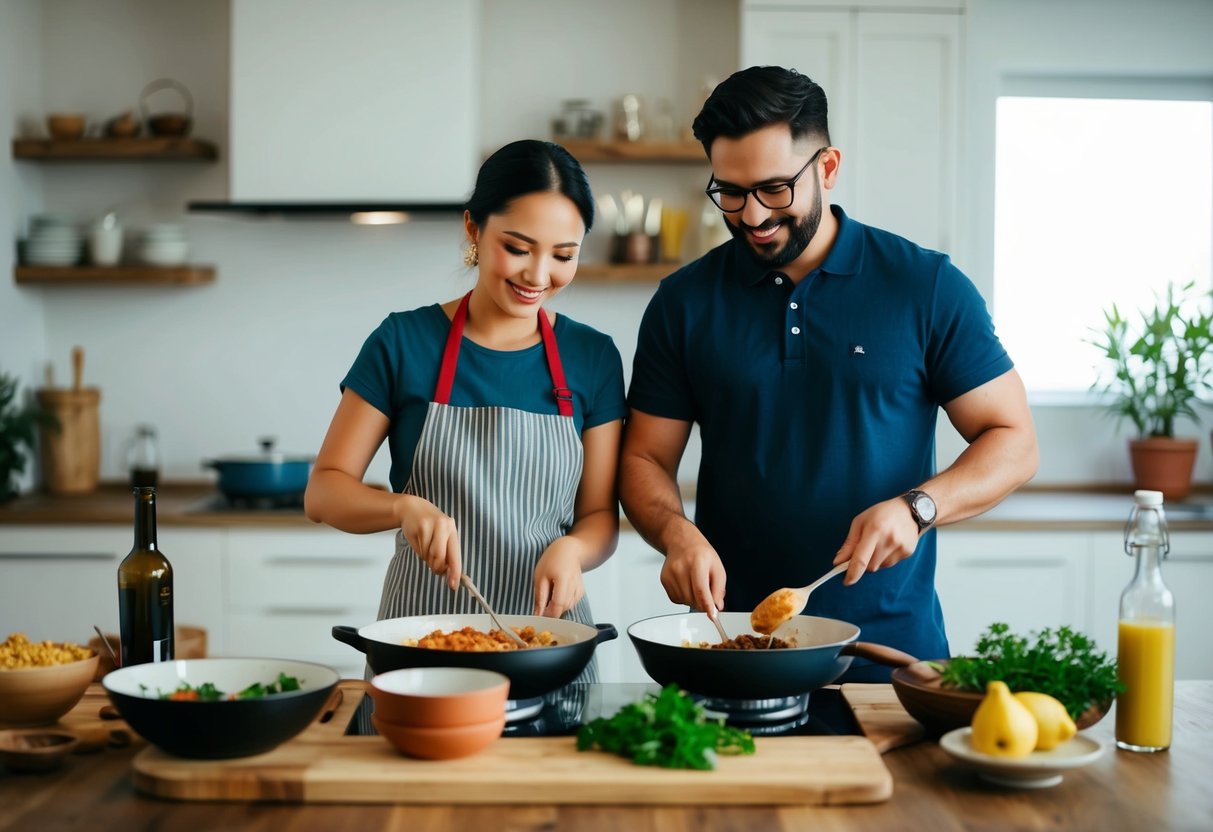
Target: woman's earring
(471,256)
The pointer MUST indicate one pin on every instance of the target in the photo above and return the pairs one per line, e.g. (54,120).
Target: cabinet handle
(336,612)
(330,560)
(1012,563)
(59,556)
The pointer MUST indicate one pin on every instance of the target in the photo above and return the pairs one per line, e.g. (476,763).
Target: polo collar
(844,258)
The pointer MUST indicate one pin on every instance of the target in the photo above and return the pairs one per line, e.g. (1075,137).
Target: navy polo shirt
(815,401)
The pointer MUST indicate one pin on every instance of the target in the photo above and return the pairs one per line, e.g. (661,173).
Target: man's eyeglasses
(773,195)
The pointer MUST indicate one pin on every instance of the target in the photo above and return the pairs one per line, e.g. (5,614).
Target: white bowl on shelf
(1038,770)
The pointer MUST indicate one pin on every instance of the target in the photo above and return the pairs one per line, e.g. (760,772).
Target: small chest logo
(857,349)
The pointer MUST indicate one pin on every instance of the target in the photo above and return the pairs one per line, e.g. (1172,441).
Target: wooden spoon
(781,605)
(471,587)
(714,615)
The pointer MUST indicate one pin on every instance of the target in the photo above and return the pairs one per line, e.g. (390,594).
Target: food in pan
(744,642)
(471,640)
(18,652)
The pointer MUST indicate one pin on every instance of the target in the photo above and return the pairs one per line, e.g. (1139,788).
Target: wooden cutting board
(881,716)
(325,766)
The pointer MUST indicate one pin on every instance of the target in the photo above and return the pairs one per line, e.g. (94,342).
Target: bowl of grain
(40,681)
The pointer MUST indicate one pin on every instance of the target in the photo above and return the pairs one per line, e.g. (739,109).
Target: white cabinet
(622,591)
(1188,573)
(57,582)
(1030,580)
(891,77)
(286,590)
(1033,580)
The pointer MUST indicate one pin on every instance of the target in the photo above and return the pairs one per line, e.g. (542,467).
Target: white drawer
(302,636)
(306,572)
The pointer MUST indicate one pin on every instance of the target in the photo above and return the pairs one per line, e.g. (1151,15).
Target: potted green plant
(1160,365)
(18,425)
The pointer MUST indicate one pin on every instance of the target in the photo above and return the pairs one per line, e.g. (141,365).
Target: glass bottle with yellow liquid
(1145,660)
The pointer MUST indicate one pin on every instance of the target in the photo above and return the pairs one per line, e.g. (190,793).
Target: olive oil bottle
(145,590)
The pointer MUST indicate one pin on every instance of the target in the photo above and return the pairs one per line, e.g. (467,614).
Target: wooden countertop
(185,504)
(1122,790)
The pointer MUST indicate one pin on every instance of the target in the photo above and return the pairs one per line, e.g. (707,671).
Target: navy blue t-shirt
(815,401)
(397,370)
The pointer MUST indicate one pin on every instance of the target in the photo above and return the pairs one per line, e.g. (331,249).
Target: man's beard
(800,234)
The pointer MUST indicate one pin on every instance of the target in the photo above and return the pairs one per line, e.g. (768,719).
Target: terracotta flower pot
(1163,464)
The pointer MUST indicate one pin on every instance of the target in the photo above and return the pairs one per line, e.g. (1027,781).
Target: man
(814,353)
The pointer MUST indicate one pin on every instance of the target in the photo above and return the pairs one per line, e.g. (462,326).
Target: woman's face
(528,252)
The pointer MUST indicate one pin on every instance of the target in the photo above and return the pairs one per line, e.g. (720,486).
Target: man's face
(764,159)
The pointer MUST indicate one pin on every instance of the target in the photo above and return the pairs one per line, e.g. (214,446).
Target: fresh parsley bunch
(668,729)
(1062,663)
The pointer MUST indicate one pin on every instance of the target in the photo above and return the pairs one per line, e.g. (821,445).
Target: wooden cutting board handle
(77,367)
(71,449)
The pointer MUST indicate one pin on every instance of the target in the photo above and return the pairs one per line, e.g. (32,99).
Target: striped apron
(507,477)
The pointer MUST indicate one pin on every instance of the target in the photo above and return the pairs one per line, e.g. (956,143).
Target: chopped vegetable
(669,730)
(1063,663)
(207,692)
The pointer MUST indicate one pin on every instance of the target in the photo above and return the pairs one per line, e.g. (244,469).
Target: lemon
(1053,722)
(1002,725)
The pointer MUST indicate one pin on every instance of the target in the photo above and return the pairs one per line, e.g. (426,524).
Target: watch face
(925,507)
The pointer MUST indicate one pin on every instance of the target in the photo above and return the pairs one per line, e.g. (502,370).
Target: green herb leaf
(1063,663)
(668,729)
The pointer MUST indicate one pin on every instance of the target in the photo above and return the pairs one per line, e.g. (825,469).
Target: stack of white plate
(164,244)
(53,241)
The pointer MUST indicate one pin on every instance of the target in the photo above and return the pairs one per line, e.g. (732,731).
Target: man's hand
(693,574)
(881,536)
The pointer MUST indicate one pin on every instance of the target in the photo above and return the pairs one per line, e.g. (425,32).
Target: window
(1098,200)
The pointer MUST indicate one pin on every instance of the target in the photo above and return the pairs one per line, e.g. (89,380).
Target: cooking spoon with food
(471,587)
(780,606)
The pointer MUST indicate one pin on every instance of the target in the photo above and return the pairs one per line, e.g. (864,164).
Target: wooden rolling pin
(71,453)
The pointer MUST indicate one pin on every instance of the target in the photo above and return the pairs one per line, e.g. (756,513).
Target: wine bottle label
(162,650)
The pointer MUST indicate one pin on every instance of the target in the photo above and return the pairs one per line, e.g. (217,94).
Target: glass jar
(1145,658)
(143,458)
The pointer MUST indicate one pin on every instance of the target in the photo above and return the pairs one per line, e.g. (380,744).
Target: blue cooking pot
(270,473)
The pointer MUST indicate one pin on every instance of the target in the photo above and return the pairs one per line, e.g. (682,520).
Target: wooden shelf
(625,272)
(114,275)
(115,150)
(592,150)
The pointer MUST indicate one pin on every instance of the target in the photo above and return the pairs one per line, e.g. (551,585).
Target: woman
(503,419)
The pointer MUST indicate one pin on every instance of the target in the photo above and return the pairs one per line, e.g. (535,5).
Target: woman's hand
(432,535)
(558,582)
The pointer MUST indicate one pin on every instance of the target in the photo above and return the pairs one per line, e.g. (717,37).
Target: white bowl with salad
(217,708)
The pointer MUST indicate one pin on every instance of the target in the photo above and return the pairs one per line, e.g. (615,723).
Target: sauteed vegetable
(669,730)
(207,692)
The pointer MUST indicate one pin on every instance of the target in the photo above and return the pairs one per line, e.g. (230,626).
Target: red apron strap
(450,355)
(564,396)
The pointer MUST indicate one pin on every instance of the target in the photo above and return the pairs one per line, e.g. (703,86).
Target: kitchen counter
(191,504)
(1121,790)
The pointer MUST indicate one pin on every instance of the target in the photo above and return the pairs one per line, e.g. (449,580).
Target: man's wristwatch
(922,508)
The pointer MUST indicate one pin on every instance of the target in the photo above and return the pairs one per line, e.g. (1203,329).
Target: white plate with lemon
(1038,770)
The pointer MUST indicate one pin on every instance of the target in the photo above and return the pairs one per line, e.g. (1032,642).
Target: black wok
(825,647)
(532,672)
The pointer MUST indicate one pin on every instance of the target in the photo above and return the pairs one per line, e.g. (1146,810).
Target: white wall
(22,321)
(262,349)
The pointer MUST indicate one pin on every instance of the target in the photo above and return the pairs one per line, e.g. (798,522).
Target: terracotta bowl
(439,697)
(441,743)
(65,126)
(941,709)
(35,749)
(40,695)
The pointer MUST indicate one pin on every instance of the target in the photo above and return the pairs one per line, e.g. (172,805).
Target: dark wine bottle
(145,591)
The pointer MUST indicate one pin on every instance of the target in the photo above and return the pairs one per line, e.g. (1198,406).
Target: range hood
(362,106)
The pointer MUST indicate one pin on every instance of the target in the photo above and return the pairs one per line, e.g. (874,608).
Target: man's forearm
(652,502)
(996,463)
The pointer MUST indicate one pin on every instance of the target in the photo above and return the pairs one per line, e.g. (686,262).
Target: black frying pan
(532,672)
(825,647)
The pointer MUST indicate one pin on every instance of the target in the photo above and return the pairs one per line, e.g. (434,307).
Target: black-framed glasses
(773,195)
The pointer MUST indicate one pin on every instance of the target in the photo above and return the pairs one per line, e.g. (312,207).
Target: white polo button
(779,281)
(795,330)
(795,305)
